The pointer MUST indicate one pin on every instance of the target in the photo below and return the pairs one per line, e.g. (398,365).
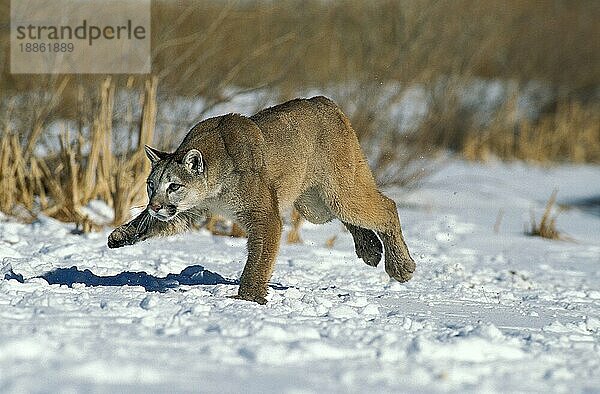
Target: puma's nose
(155,207)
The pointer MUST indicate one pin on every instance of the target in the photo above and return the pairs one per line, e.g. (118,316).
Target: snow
(486,311)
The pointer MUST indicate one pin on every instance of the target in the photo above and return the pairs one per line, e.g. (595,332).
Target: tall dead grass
(571,134)
(85,167)
(547,225)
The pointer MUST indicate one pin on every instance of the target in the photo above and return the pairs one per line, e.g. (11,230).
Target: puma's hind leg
(362,205)
(313,208)
(366,244)
(398,262)
(380,215)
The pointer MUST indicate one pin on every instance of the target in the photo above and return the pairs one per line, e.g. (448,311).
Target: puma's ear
(193,161)
(154,154)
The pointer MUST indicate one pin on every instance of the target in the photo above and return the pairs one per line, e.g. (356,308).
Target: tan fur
(302,153)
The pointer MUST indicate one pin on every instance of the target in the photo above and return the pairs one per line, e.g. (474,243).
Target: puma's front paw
(121,237)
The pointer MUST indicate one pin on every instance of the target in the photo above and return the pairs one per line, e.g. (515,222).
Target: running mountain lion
(302,153)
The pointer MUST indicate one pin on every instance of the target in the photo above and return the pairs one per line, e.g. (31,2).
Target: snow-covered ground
(486,311)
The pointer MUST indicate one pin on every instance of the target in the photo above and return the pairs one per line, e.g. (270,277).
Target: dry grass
(547,226)
(59,185)
(571,134)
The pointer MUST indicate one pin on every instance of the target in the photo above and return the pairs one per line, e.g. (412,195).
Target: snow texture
(486,311)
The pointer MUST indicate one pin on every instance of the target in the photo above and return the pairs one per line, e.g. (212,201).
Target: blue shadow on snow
(193,275)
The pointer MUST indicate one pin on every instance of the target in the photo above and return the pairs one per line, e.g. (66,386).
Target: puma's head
(175,185)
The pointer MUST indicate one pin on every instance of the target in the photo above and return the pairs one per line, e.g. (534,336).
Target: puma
(302,153)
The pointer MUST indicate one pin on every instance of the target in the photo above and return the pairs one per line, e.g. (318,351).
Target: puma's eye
(173,187)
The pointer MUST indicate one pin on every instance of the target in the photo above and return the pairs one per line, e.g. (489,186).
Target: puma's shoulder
(232,137)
